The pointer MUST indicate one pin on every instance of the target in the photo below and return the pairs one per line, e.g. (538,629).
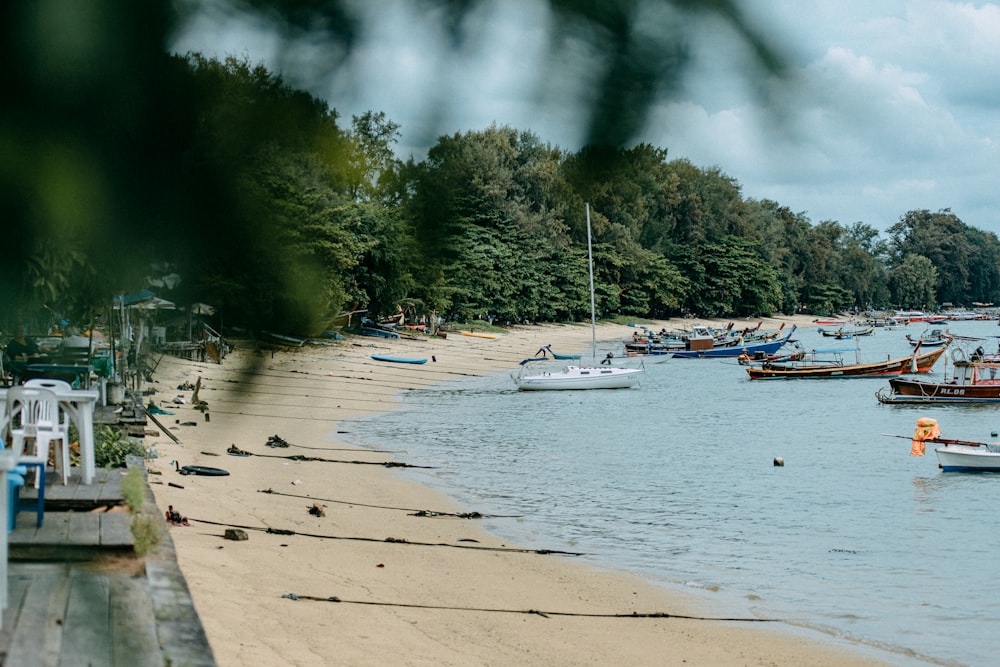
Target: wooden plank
(17,588)
(38,634)
(116,529)
(83,529)
(87,628)
(54,530)
(134,643)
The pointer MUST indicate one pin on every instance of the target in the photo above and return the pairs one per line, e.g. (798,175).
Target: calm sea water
(675,481)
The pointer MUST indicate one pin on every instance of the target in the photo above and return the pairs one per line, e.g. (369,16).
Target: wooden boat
(696,351)
(833,322)
(793,351)
(919,316)
(476,334)
(931,338)
(399,360)
(602,376)
(972,381)
(284,340)
(846,334)
(915,363)
(376,332)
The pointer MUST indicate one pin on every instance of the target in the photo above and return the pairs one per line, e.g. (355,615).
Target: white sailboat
(598,376)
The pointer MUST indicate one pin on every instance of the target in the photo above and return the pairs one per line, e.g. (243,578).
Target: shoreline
(302,395)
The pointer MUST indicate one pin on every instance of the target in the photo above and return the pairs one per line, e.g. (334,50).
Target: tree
(912,282)
(941,238)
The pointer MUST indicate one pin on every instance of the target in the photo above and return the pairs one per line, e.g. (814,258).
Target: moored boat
(580,377)
(931,338)
(973,380)
(837,368)
(599,376)
(702,348)
(845,334)
(955,455)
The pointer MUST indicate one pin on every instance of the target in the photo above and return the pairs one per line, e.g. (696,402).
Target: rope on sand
(417,512)
(391,540)
(302,457)
(536,612)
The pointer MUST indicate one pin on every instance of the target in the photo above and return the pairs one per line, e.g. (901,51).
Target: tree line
(297,217)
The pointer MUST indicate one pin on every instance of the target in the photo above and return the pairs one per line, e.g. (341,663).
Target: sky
(885,107)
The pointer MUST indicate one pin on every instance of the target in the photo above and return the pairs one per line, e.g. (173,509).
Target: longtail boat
(915,363)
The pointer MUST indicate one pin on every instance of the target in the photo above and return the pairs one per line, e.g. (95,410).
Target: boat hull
(959,458)
(733,351)
(924,363)
(904,390)
(399,360)
(576,377)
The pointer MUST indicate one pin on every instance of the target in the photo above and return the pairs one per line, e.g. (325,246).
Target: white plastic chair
(59,387)
(48,383)
(37,412)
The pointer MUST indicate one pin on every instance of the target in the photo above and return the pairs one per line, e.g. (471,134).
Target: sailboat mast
(593,309)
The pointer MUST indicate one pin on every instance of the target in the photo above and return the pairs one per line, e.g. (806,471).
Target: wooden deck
(78,594)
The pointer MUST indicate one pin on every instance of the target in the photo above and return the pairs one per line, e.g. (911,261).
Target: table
(25,370)
(79,404)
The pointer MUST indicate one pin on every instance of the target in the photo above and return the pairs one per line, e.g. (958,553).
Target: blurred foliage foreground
(126,167)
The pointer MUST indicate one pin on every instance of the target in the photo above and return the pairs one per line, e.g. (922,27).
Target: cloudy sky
(887,106)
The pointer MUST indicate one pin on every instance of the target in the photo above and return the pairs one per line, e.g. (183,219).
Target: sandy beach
(369,583)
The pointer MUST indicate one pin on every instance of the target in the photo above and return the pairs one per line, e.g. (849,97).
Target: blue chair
(36,504)
(15,482)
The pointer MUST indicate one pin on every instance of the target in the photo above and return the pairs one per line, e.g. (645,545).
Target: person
(174,517)
(20,346)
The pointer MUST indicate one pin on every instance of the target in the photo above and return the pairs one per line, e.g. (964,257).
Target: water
(675,481)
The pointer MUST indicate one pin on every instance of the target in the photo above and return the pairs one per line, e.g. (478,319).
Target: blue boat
(764,347)
(399,360)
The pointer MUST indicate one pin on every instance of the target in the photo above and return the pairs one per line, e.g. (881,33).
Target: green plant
(146,527)
(113,445)
(133,490)
(146,530)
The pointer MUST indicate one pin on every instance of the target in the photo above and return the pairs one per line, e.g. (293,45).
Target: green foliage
(134,490)
(912,282)
(112,446)
(146,527)
(147,531)
(281,218)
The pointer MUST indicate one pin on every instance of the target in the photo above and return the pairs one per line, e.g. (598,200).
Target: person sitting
(20,346)
(174,517)
(21,349)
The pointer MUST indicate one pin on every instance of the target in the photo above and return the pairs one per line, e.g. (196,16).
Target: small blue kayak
(399,360)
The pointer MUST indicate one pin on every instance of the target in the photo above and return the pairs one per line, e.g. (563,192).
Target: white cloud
(890,106)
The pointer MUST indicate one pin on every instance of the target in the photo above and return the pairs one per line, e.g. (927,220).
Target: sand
(400,604)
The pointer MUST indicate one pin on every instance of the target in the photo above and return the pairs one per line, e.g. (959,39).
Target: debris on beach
(317,510)
(236,451)
(276,441)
